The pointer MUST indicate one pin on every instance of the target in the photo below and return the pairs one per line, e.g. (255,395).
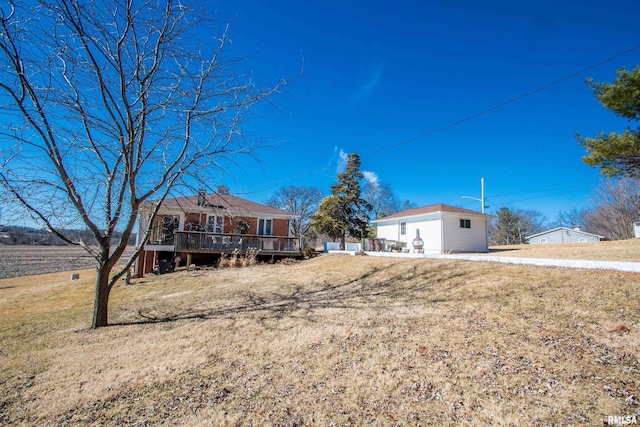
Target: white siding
(388,231)
(458,239)
(430,233)
(436,226)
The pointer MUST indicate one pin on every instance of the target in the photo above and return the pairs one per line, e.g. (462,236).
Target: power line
(505,103)
(535,198)
(465,119)
(580,183)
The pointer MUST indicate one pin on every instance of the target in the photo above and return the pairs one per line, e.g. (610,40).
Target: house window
(543,241)
(465,223)
(169,226)
(403,228)
(582,240)
(215,224)
(265,227)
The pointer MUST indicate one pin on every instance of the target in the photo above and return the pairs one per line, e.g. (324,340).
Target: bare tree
(301,201)
(531,221)
(572,218)
(407,204)
(107,104)
(381,198)
(616,206)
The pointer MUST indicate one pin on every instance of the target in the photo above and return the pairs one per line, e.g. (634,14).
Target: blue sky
(395,81)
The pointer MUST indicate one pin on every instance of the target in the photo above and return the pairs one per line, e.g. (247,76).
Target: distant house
(206,226)
(442,228)
(563,235)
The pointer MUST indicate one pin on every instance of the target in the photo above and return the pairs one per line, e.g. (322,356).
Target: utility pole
(481,199)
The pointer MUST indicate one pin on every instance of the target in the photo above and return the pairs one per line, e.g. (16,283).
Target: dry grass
(621,250)
(336,340)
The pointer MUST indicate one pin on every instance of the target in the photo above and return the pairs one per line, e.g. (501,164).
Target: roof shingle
(225,202)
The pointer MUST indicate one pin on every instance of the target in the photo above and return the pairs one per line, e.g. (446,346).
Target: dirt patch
(21,260)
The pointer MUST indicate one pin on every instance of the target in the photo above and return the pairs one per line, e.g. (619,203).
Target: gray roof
(563,228)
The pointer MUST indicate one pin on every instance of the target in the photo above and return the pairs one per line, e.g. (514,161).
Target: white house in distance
(442,228)
(563,235)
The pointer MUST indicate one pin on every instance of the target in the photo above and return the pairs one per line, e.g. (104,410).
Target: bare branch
(110,104)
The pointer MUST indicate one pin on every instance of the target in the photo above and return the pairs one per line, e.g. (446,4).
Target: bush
(237,259)
(308,252)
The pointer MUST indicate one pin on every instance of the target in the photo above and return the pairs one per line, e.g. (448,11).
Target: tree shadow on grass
(371,289)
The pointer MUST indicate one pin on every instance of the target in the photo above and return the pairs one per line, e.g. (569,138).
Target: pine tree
(345,212)
(617,154)
(507,229)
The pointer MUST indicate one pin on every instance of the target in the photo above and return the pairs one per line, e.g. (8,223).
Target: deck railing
(196,241)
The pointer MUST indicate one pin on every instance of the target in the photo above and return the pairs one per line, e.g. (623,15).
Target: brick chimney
(201,197)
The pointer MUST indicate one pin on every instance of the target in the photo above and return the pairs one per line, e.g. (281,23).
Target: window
(169,226)
(215,224)
(465,223)
(543,241)
(403,228)
(265,227)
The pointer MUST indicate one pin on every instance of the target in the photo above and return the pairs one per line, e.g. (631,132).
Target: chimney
(223,190)
(201,197)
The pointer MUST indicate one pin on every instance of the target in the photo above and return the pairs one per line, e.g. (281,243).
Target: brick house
(204,226)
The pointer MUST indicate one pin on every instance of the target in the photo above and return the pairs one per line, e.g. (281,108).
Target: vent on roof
(223,190)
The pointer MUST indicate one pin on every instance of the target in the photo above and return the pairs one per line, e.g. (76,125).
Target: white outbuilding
(563,235)
(442,228)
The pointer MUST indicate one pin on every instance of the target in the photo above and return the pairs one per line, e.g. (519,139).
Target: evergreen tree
(506,230)
(328,219)
(345,212)
(616,154)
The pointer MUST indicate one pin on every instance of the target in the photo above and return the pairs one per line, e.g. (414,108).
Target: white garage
(443,229)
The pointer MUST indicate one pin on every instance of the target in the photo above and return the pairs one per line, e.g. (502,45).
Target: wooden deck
(217,243)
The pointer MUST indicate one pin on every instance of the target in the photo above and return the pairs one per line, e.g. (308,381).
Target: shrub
(238,259)
(308,252)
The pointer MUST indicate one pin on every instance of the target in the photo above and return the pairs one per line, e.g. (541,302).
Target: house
(563,235)
(442,228)
(207,226)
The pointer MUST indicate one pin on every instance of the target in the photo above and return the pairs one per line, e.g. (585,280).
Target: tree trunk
(101,298)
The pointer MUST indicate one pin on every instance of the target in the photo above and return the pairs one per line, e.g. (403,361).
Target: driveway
(544,262)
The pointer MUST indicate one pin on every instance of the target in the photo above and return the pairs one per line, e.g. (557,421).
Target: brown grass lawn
(621,250)
(336,340)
